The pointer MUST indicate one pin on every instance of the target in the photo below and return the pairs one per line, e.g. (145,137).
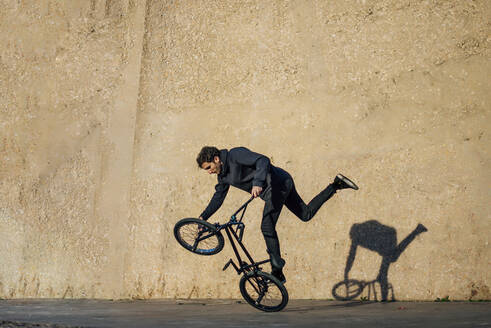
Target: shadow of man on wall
(381,239)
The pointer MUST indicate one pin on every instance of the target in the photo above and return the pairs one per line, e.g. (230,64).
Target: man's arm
(221,190)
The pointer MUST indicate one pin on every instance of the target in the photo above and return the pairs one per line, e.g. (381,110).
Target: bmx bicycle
(260,289)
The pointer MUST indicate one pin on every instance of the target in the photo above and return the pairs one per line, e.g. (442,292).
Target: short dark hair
(207,154)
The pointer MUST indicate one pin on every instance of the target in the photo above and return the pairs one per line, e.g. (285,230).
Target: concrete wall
(105,104)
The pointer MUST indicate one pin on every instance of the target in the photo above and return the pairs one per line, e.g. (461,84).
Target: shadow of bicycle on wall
(381,239)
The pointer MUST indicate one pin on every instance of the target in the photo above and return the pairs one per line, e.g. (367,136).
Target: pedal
(225,267)
(228,264)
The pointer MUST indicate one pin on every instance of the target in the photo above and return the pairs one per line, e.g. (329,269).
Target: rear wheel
(198,236)
(263,291)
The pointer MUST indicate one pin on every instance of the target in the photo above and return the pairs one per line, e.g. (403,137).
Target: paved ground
(230,313)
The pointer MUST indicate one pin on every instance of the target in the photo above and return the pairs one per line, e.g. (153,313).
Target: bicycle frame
(255,284)
(243,266)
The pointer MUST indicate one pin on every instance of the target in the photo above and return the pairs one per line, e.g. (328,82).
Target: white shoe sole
(347,181)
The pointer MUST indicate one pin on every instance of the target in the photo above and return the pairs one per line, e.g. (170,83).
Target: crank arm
(233,264)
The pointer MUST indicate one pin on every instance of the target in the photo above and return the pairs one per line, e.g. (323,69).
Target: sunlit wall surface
(104,105)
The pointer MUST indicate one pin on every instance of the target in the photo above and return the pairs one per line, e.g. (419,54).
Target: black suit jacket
(242,169)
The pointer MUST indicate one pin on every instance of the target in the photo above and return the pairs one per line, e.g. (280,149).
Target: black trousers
(283,192)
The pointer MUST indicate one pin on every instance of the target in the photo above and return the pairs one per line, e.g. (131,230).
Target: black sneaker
(342,182)
(278,274)
(420,228)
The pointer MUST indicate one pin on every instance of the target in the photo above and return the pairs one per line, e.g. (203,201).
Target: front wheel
(263,291)
(198,236)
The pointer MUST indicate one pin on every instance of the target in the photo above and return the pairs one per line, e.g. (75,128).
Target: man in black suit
(253,173)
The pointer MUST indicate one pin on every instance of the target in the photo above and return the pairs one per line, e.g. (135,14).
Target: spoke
(272,294)
(263,292)
(254,286)
(206,237)
(258,301)
(195,244)
(193,237)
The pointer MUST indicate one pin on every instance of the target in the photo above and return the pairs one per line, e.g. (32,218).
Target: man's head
(209,159)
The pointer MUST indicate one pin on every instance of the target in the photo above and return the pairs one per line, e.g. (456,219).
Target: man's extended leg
(306,212)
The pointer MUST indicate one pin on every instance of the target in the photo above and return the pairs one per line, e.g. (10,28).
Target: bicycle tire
(187,234)
(255,285)
(352,288)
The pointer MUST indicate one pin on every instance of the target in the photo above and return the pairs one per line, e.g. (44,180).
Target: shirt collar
(223,159)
